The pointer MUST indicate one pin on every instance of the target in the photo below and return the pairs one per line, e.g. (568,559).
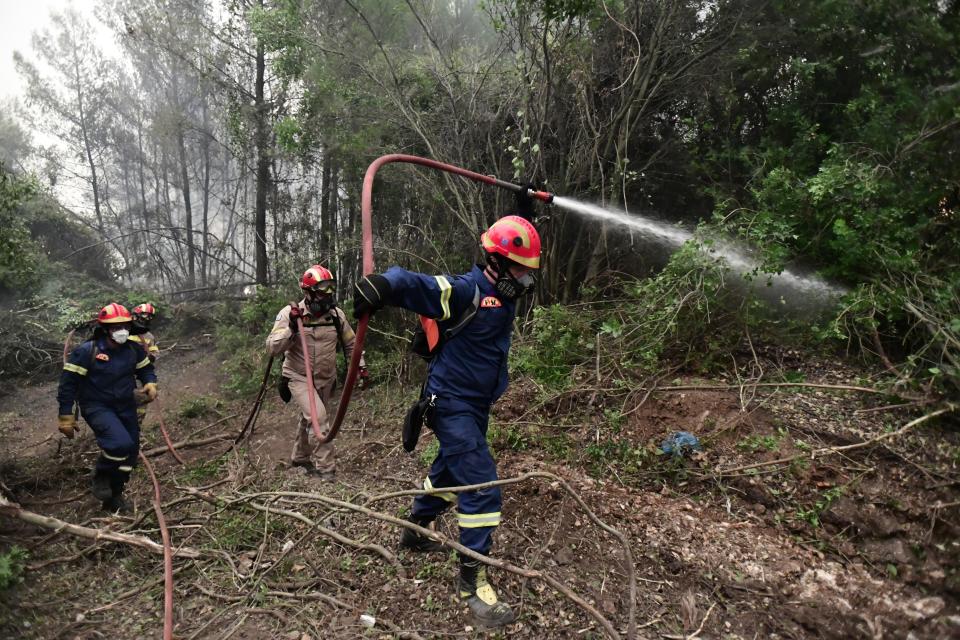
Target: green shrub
(12,564)
(240,339)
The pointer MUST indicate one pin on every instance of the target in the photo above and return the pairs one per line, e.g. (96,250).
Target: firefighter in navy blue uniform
(100,376)
(464,379)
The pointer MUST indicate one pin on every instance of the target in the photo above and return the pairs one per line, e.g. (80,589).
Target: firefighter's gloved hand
(370,295)
(151,390)
(295,314)
(67,425)
(525,202)
(364,378)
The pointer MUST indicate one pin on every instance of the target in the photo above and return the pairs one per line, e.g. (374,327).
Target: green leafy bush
(12,564)
(240,339)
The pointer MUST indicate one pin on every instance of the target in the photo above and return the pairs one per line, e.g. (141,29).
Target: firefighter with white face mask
(101,376)
(324,327)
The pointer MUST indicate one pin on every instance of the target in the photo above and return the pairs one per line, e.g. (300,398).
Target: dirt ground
(856,545)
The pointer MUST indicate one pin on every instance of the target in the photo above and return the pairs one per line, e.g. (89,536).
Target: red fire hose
(166,434)
(167,554)
(311,391)
(366,216)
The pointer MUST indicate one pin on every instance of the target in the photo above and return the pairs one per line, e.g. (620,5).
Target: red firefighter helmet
(145,309)
(515,239)
(318,278)
(114,313)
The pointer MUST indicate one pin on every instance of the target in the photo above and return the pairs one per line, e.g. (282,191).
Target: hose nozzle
(543,196)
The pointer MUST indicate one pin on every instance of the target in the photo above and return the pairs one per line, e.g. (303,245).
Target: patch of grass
(431,570)
(811,515)
(203,471)
(243,531)
(429,453)
(756,443)
(198,406)
(12,563)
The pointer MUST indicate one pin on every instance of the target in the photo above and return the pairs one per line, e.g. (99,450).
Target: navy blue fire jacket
(105,376)
(472,366)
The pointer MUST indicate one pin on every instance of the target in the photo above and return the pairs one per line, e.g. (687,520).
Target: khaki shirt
(321,335)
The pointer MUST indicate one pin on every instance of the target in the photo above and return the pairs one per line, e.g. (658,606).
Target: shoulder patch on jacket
(489,302)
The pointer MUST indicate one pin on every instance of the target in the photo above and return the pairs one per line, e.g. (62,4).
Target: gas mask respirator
(120,335)
(506,285)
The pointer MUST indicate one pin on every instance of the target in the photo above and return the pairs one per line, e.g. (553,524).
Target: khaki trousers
(305,446)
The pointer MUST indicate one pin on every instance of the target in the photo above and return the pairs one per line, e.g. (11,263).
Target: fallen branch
(807,385)
(187,444)
(342,539)
(500,564)
(627,553)
(13,510)
(849,447)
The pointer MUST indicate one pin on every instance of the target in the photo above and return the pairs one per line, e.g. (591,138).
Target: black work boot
(116,504)
(100,486)
(308,467)
(481,597)
(414,541)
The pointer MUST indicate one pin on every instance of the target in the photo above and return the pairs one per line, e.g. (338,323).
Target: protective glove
(295,314)
(370,295)
(525,202)
(364,378)
(67,425)
(151,390)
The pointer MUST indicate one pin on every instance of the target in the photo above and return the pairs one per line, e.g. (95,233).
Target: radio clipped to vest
(428,339)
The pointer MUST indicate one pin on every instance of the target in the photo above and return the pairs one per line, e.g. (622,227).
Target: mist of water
(792,287)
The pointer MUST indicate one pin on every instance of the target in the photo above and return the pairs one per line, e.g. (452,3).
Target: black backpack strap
(335,316)
(465,317)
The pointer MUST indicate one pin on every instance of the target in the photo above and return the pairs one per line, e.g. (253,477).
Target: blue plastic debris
(681,443)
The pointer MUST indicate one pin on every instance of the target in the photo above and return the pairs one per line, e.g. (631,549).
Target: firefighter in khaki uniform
(324,326)
(140,333)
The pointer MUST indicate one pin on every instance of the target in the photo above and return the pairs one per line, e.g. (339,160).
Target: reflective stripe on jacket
(471,366)
(148,342)
(108,376)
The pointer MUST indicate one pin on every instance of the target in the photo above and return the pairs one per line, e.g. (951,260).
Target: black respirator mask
(320,299)
(506,285)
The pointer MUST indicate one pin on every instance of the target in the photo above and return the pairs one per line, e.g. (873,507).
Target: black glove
(295,314)
(525,202)
(370,295)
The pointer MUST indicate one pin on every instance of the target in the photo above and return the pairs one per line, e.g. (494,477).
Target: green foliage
(844,155)
(18,253)
(756,443)
(240,339)
(429,453)
(560,339)
(198,406)
(203,471)
(811,515)
(12,563)
(685,309)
